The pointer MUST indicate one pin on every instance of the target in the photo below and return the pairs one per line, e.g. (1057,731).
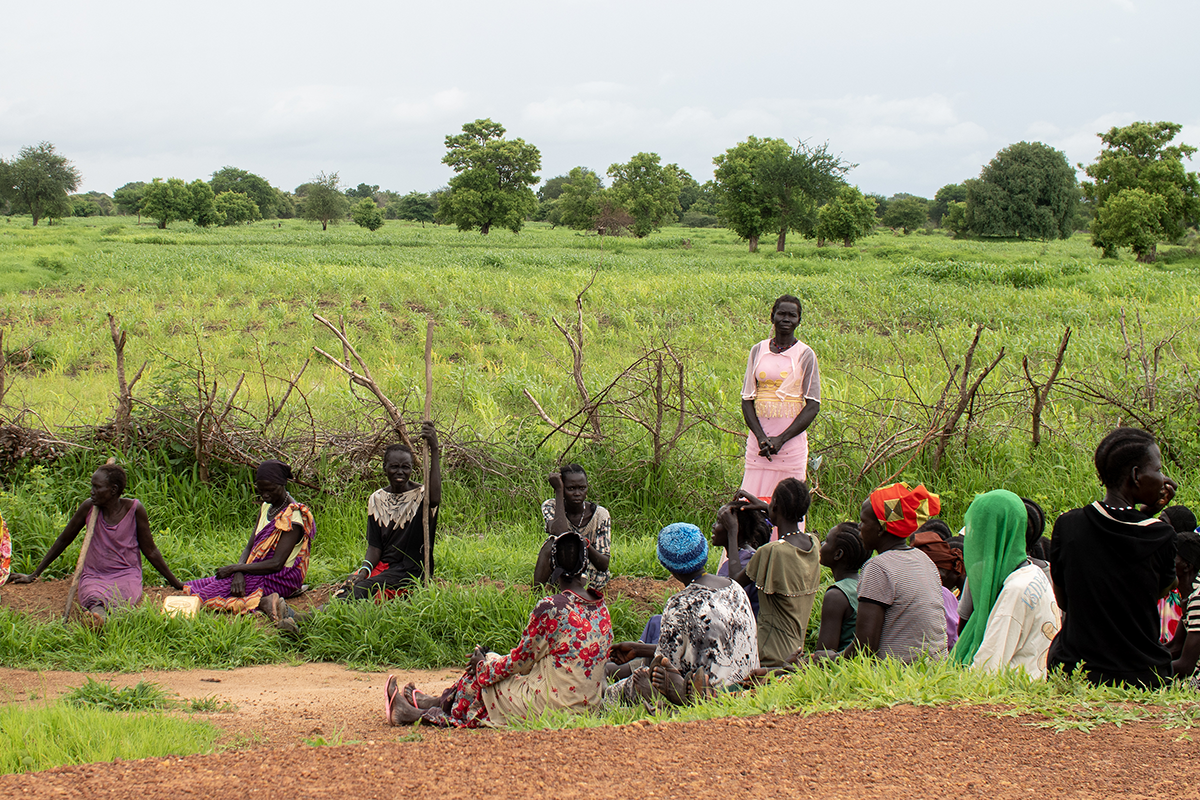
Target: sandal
(391,691)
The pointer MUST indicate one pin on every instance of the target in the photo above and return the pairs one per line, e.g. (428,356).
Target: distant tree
(493,177)
(1134,218)
(236,208)
(578,203)
(363,191)
(907,213)
(849,217)
(285,204)
(613,220)
(82,207)
(167,201)
(551,188)
(766,184)
(706,201)
(647,190)
(91,204)
(550,208)
(264,195)
(38,181)
(416,207)
(955,218)
(323,199)
(950,193)
(129,198)
(881,205)
(204,209)
(367,215)
(1140,157)
(1028,190)
(689,192)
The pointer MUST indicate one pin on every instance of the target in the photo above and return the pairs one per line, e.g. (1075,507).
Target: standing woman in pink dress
(781,396)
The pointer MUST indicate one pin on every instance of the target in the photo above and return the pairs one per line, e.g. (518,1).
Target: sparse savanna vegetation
(894,320)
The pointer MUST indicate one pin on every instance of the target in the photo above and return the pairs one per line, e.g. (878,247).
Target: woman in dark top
(1110,563)
(395,554)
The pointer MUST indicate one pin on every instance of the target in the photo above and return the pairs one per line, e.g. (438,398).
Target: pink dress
(780,384)
(112,573)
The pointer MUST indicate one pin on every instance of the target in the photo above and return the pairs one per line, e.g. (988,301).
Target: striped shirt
(1191,617)
(906,583)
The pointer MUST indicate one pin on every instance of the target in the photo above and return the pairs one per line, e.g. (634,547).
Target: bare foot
(642,685)
(404,712)
(701,689)
(419,698)
(270,606)
(668,680)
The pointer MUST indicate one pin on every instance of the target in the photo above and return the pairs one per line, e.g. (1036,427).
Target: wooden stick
(83,551)
(425,450)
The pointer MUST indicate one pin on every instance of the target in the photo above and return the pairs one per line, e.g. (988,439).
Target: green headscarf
(994,546)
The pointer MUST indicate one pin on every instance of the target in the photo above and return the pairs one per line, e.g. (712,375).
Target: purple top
(112,572)
(950,602)
(744,555)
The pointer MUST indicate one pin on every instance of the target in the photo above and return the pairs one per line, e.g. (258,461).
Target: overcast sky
(919,93)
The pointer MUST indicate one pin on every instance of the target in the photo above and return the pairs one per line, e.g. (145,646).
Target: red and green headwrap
(901,510)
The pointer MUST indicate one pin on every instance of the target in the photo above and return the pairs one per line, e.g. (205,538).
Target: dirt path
(281,711)
(904,752)
(274,705)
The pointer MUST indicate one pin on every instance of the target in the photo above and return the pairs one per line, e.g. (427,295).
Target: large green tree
(647,190)
(416,207)
(950,193)
(204,211)
(1141,156)
(493,180)
(578,203)
(1028,190)
(129,198)
(236,208)
(906,212)
(232,179)
(767,185)
(39,181)
(849,216)
(367,215)
(323,199)
(167,201)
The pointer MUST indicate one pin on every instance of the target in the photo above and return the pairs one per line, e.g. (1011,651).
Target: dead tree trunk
(124,408)
(1042,393)
(362,377)
(966,390)
(575,343)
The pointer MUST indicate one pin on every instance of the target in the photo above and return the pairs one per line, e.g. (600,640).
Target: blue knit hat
(682,548)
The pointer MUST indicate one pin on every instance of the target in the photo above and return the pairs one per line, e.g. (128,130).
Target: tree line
(1138,193)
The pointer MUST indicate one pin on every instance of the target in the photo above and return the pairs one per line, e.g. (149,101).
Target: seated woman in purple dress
(112,571)
(274,561)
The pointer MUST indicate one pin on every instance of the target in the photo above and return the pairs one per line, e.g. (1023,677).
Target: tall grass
(1060,702)
(39,737)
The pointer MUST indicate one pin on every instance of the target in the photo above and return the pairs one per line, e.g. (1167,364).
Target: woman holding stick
(781,396)
(111,573)
(395,557)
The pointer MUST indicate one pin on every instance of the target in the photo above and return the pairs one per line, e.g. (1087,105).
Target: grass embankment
(99,722)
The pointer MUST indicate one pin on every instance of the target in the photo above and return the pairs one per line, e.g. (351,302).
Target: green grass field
(246,296)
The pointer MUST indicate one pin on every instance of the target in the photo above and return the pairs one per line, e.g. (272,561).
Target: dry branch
(1041,392)
(362,377)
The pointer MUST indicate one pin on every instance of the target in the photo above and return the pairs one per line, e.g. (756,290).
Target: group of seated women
(1100,601)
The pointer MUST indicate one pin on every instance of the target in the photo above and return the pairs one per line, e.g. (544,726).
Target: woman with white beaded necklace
(1110,563)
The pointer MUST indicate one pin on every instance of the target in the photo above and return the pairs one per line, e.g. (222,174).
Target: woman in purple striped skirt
(275,560)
